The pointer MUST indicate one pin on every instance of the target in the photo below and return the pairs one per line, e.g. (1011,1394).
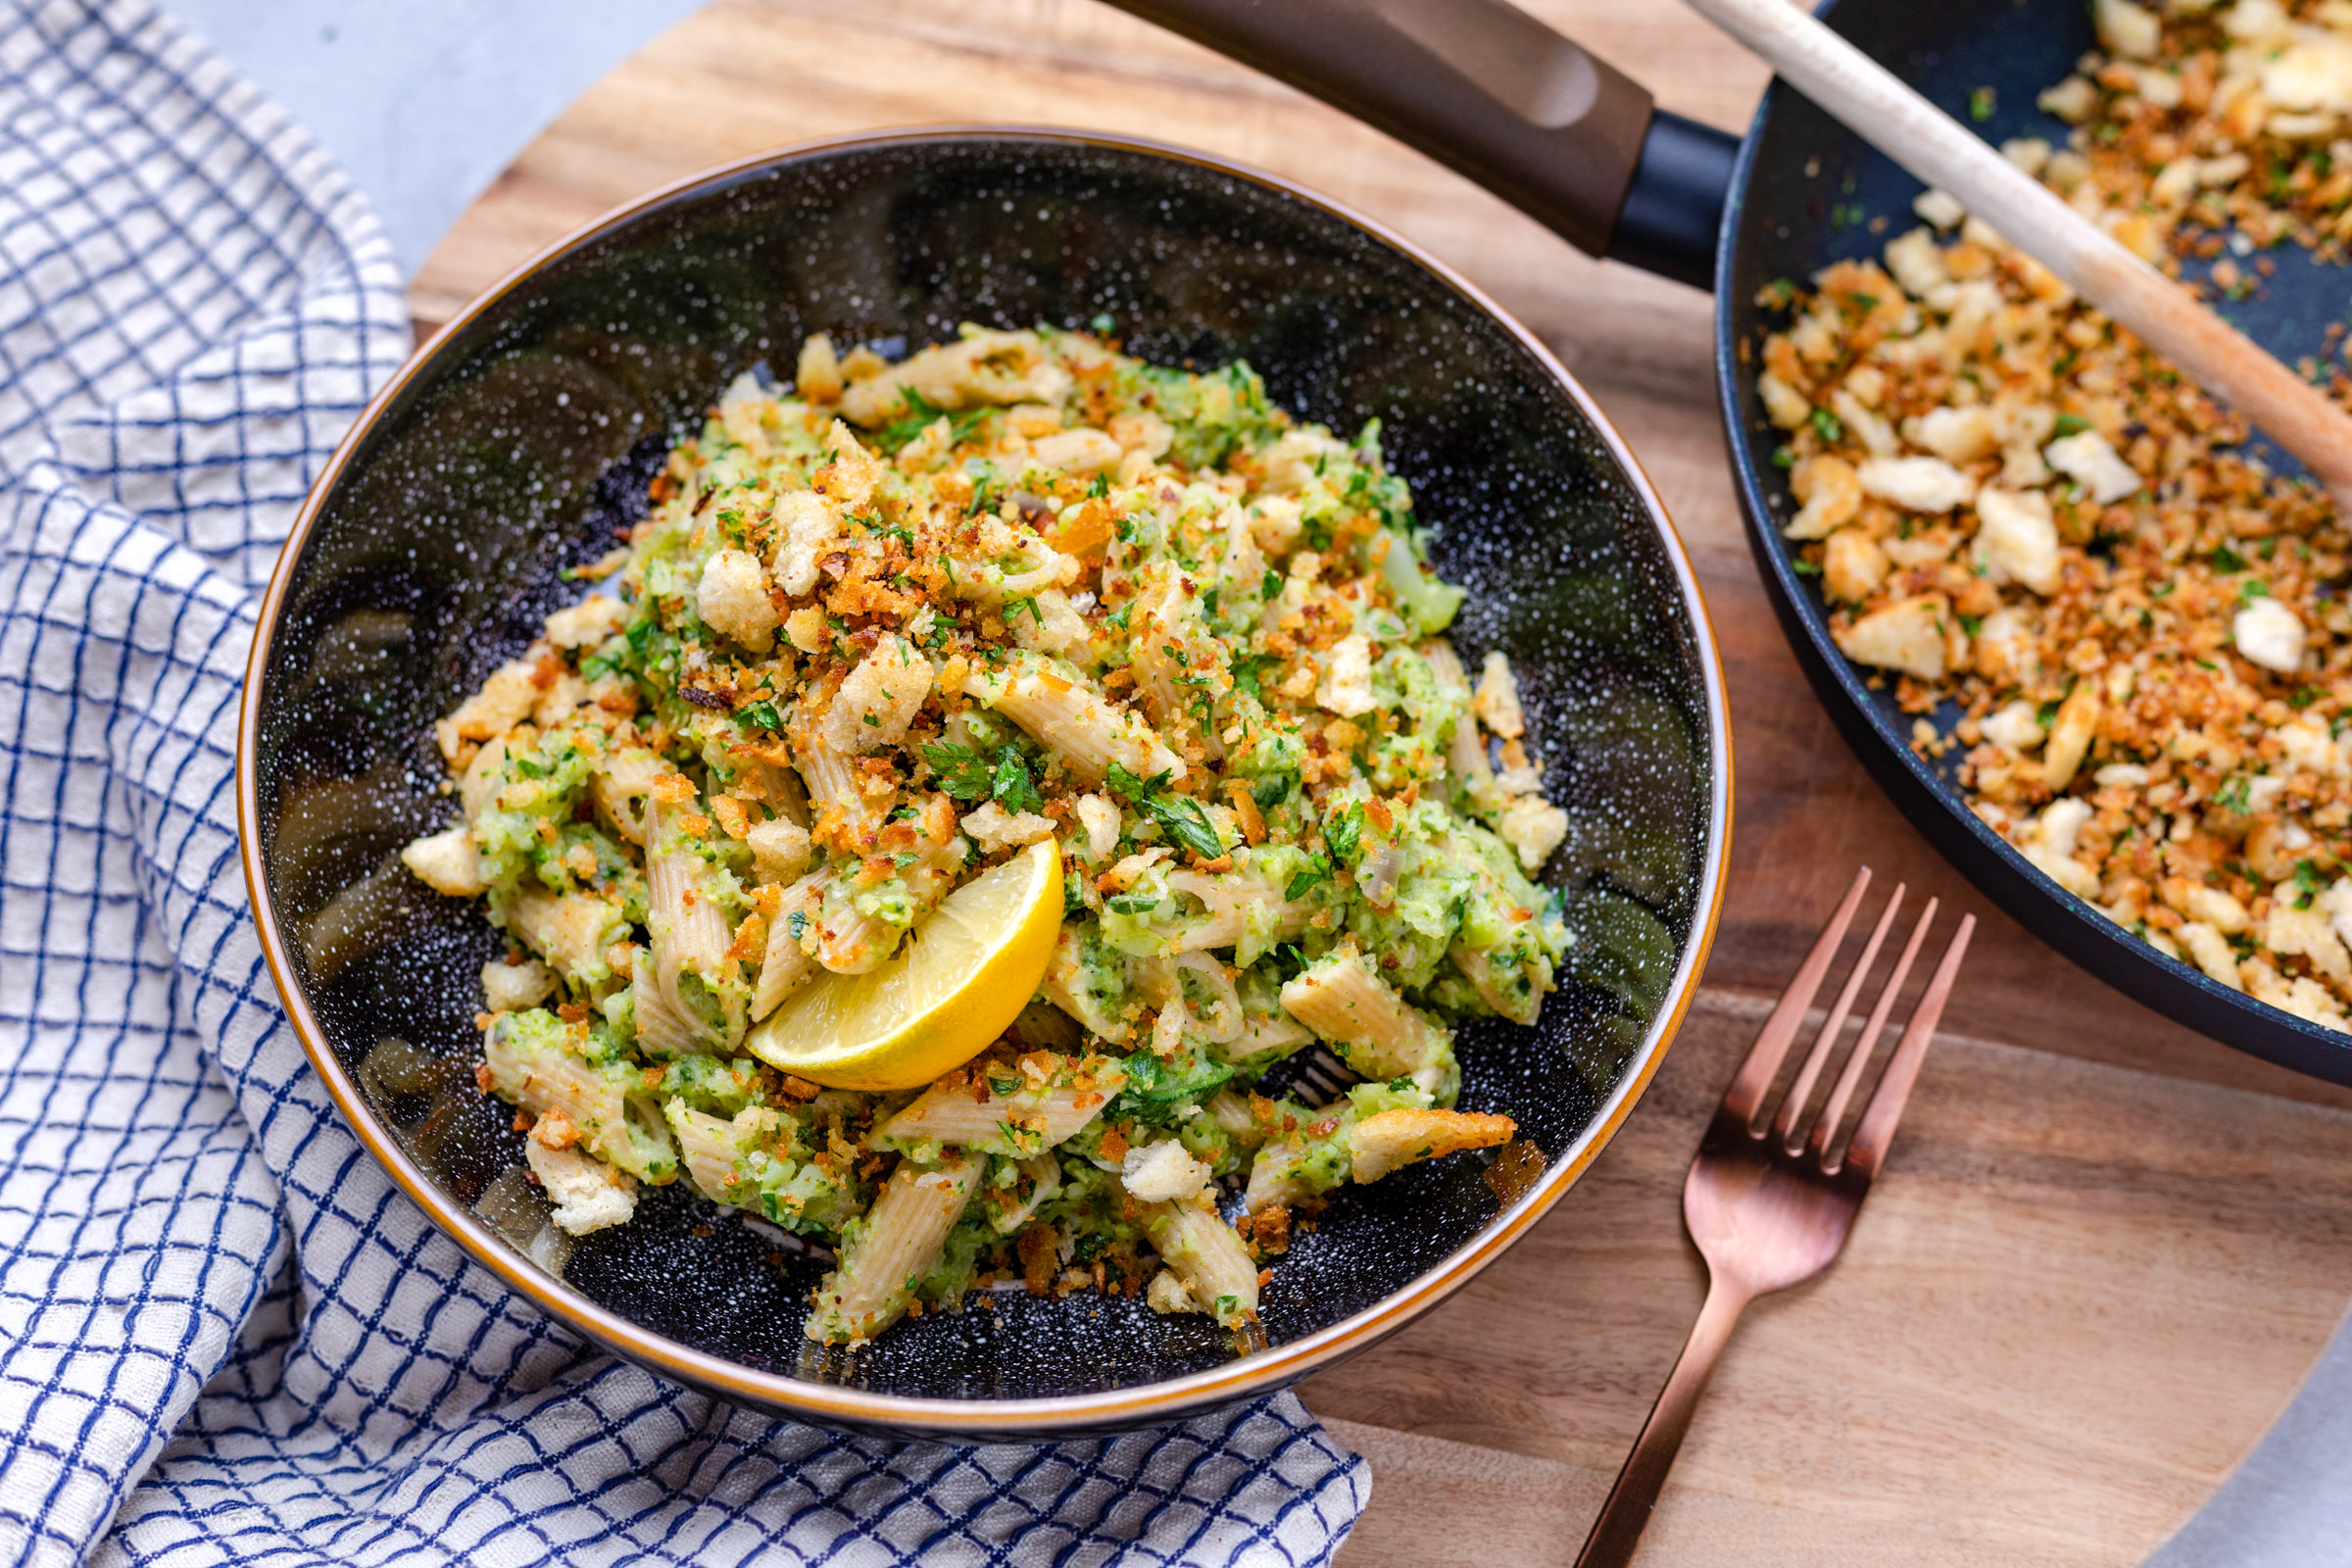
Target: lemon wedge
(937,1003)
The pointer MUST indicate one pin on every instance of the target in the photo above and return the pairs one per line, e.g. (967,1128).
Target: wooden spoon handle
(1893,118)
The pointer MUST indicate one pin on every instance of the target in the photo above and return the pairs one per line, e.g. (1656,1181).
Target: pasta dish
(972,780)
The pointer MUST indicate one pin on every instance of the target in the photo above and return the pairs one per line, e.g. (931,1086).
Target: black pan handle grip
(1496,95)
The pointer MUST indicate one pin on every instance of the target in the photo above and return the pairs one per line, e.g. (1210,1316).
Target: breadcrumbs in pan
(2016,508)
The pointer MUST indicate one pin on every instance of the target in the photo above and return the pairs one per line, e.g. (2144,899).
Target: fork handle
(1626,1514)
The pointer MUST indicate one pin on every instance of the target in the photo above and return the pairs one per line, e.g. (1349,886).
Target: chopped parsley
(921,414)
(1317,870)
(962,772)
(1343,832)
(1014,790)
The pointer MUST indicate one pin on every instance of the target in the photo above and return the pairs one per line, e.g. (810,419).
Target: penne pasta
(786,965)
(1239,909)
(695,983)
(571,931)
(1207,1257)
(1081,981)
(1377,1032)
(896,1240)
(1067,717)
(534,1066)
(844,811)
(1166,663)
(1012,1111)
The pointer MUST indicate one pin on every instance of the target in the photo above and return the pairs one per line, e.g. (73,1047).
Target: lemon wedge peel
(945,996)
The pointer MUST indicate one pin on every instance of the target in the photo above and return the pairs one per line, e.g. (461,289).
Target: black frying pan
(1504,100)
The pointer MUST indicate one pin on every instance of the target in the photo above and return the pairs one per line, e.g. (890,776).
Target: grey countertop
(424,101)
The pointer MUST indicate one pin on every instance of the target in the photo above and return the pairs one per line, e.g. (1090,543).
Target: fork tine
(1746,1090)
(1834,1112)
(1785,1119)
(1869,1147)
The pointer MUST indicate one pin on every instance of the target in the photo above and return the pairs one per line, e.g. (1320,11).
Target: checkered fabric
(224,1333)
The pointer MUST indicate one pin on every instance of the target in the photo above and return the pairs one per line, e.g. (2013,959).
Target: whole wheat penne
(847,940)
(1177,659)
(550,1080)
(834,784)
(1266,1036)
(1243,908)
(1503,984)
(1001,1111)
(1377,1031)
(707,1147)
(1067,717)
(711,1149)
(1066,987)
(689,932)
(1231,1113)
(1035,1180)
(569,930)
(662,1030)
(983,368)
(1204,1253)
(1012,566)
(898,1238)
(623,787)
(1279,1175)
(786,966)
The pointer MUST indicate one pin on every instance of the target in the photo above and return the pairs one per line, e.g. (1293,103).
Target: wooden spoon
(1888,115)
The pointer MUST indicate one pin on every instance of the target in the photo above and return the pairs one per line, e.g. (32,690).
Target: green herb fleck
(962,772)
(1181,817)
(1129,788)
(1344,831)
(1315,871)
(921,414)
(1011,784)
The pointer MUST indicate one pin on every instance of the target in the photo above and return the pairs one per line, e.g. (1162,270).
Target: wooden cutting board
(2106,1249)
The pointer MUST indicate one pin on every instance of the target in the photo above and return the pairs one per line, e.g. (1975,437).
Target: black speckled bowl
(522,437)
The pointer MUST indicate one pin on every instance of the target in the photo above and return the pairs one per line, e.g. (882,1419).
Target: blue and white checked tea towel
(224,1333)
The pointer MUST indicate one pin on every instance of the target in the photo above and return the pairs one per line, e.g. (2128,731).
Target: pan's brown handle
(1492,92)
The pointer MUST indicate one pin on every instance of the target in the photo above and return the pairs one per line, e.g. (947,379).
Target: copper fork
(1768,1200)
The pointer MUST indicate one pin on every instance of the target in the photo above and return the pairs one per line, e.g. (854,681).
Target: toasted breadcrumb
(2065,560)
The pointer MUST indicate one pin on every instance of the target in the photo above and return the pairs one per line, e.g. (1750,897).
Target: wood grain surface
(2105,1250)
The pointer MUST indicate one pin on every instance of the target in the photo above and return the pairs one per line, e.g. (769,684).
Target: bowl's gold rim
(1176,1397)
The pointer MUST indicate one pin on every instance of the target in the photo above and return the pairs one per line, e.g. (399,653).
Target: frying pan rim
(1993,865)
(1143,1404)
